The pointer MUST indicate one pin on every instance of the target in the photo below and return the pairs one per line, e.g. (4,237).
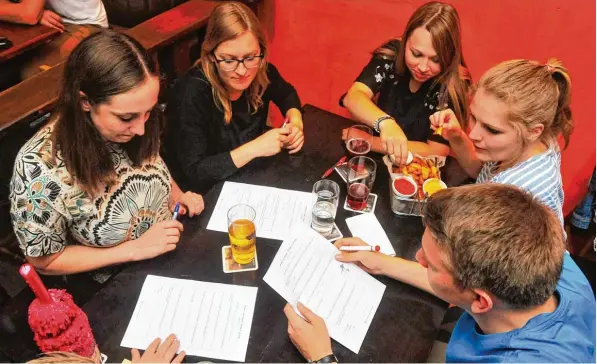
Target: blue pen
(176,208)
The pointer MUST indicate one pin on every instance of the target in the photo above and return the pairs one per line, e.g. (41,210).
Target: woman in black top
(217,114)
(413,79)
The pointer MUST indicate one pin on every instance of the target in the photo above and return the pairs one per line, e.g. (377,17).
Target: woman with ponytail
(518,111)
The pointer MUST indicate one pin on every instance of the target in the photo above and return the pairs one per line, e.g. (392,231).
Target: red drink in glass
(358,194)
(358,146)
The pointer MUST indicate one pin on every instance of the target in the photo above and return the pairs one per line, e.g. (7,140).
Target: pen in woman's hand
(176,209)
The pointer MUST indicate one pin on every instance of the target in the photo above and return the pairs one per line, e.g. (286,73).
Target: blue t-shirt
(565,335)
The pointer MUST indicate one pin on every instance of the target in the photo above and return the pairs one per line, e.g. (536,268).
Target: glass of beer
(361,175)
(241,231)
(358,141)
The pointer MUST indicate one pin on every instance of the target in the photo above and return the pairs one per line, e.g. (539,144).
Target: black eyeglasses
(232,64)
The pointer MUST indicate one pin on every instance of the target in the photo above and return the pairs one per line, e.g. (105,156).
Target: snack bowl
(432,185)
(404,186)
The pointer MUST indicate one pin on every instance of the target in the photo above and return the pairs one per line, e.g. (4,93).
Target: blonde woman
(412,78)
(518,111)
(218,111)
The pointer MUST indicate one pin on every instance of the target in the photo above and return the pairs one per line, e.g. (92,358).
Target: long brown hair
(103,65)
(227,21)
(535,94)
(442,21)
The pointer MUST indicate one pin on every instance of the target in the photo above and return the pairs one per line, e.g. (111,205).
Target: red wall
(320,46)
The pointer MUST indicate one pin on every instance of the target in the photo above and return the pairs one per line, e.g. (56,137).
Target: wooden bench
(26,106)
(36,95)
(24,38)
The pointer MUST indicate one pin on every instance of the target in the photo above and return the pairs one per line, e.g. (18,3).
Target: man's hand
(309,335)
(370,262)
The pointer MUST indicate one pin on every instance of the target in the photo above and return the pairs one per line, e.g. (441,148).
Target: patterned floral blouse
(48,212)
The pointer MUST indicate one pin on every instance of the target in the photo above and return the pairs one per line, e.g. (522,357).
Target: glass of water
(326,194)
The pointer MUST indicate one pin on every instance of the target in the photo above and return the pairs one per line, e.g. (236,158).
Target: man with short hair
(500,255)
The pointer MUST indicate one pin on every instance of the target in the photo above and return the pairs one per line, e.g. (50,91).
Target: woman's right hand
(446,122)
(270,143)
(161,238)
(394,140)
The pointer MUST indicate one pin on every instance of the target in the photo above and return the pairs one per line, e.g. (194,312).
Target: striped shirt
(538,175)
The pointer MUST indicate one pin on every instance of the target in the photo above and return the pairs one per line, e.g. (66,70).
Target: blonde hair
(61,357)
(534,94)
(228,21)
(483,231)
(442,21)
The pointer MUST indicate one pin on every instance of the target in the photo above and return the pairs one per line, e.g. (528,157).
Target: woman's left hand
(295,139)
(189,201)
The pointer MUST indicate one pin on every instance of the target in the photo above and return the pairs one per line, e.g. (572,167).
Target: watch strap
(327,359)
(379,120)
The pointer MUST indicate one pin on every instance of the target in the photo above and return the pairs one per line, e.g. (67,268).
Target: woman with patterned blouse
(90,190)
(413,78)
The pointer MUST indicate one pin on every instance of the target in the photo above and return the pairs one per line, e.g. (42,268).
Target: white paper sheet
(278,211)
(368,228)
(305,270)
(210,319)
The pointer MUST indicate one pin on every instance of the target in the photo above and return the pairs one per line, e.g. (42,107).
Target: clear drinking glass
(361,175)
(358,140)
(326,194)
(241,232)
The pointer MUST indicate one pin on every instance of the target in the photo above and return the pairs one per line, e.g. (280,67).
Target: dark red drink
(358,146)
(358,193)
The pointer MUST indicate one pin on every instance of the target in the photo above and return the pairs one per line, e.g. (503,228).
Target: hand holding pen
(355,250)
(295,139)
(188,202)
(176,210)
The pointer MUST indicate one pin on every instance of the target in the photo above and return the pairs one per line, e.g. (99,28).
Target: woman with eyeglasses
(218,111)
(409,79)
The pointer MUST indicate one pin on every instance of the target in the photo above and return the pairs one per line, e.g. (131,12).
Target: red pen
(329,171)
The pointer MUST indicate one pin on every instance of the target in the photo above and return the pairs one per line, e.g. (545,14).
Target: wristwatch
(379,120)
(326,359)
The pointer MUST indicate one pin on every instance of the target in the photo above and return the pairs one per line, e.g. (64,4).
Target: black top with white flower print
(49,212)
(411,110)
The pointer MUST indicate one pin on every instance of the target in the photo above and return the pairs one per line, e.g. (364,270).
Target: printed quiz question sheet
(278,211)
(305,270)
(210,319)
